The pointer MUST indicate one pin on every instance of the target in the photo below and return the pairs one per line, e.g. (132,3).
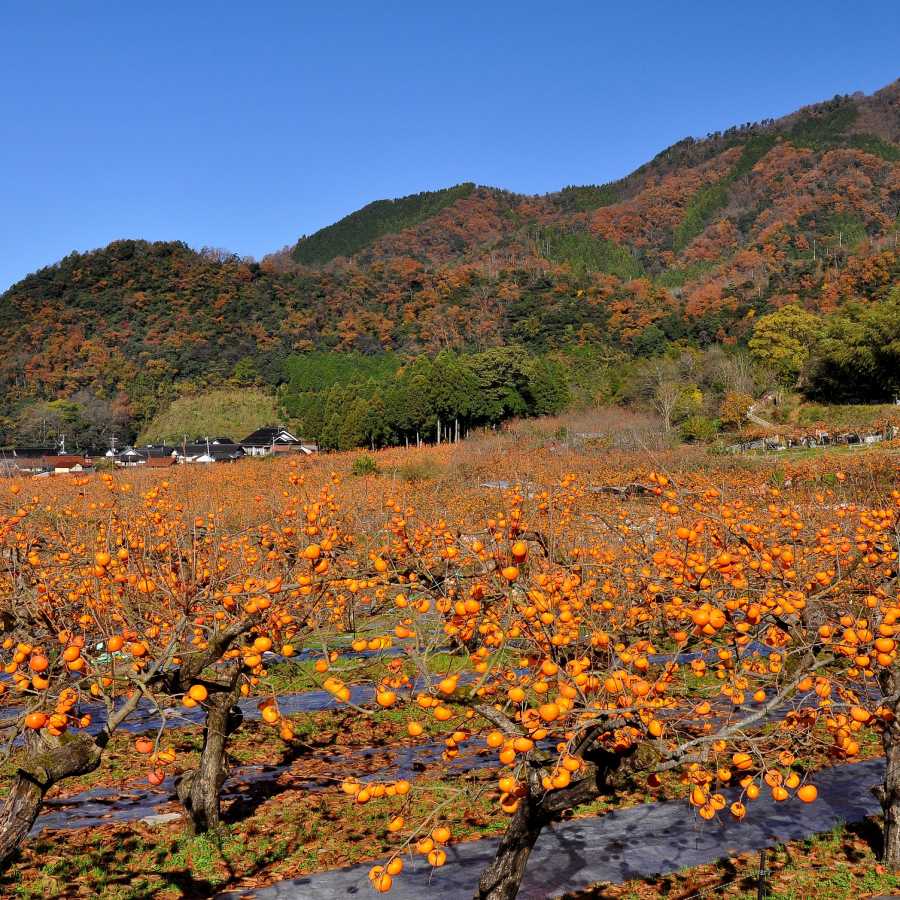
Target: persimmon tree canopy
(696,621)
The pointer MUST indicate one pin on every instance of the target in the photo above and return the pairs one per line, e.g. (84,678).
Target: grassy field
(228,413)
(847,416)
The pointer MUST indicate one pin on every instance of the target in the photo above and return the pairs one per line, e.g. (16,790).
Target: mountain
(355,232)
(691,185)
(691,246)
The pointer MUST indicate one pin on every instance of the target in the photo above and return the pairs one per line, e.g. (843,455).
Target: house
(266,441)
(45,461)
(141,456)
(161,462)
(63,463)
(30,460)
(130,457)
(200,451)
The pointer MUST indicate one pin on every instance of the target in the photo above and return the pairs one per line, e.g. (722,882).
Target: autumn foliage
(691,247)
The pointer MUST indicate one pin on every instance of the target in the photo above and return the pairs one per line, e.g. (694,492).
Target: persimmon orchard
(592,644)
(605,616)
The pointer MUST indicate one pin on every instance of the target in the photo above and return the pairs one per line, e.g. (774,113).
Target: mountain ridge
(868,122)
(690,247)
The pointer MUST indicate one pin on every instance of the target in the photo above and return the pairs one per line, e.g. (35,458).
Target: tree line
(430,399)
(849,356)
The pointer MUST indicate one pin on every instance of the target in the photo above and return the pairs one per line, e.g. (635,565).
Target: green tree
(352,429)
(453,389)
(548,390)
(783,341)
(858,358)
(376,428)
(502,381)
(245,372)
(650,342)
(690,402)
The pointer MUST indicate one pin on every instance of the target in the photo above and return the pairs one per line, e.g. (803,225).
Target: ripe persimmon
(36,720)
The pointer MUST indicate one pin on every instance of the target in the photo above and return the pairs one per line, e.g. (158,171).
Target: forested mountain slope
(692,246)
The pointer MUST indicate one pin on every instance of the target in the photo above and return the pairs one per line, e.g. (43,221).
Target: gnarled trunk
(502,879)
(888,792)
(888,795)
(48,761)
(199,789)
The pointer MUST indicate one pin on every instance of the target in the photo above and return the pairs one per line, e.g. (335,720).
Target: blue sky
(244,125)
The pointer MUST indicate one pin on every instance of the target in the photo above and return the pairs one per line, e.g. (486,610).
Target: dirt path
(759,420)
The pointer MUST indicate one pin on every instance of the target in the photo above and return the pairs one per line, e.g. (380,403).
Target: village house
(272,440)
(44,461)
(203,451)
(156,456)
(200,450)
(161,462)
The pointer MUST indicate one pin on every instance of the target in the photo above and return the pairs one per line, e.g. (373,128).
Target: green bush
(699,429)
(365,465)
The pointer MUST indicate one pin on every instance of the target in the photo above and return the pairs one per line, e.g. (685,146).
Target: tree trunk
(502,878)
(890,803)
(888,792)
(48,762)
(199,789)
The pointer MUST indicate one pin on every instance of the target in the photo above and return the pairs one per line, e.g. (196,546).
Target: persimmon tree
(720,637)
(733,409)
(51,618)
(136,600)
(239,597)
